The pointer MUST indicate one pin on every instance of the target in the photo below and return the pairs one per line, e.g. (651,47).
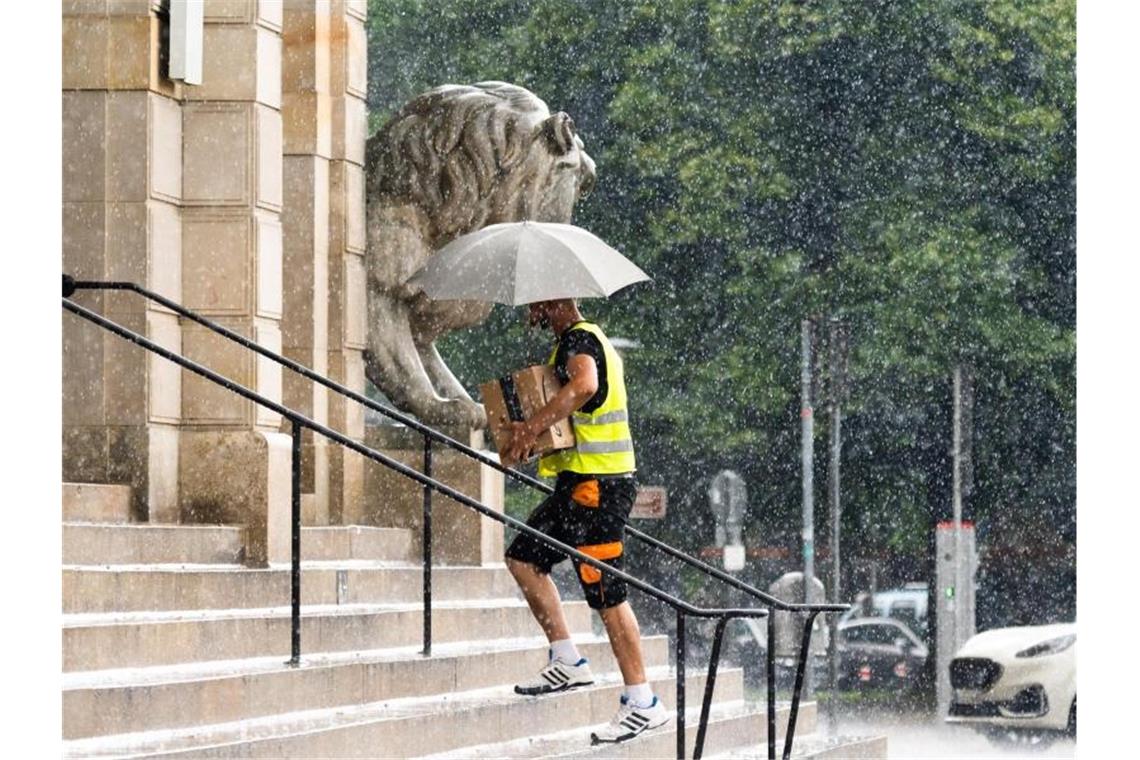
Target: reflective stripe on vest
(603,445)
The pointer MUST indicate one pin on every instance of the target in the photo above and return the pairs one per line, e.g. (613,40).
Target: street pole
(806,433)
(837,355)
(957,486)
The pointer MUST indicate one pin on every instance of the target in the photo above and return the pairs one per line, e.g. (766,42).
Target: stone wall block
(133,7)
(164,377)
(346,489)
(203,402)
(165,148)
(162,468)
(307,123)
(217,165)
(84,8)
(349,128)
(164,222)
(229,64)
(132,51)
(348,61)
(305,46)
(213,463)
(267,126)
(84,146)
(356,240)
(271,14)
(356,65)
(305,229)
(127,138)
(268,257)
(125,373)
(268,83)
(127,253)
(358,9)
(229,11)
(216,262)
(267,333)
(85,453)
(84,52)
(84,240)
(355,303)
(82,371)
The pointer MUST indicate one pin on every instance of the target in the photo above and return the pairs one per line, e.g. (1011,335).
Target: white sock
(639,695)
(565,651)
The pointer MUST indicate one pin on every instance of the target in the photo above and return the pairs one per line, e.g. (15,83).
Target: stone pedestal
(460,535)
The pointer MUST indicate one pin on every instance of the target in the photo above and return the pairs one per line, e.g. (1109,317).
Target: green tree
(906,167)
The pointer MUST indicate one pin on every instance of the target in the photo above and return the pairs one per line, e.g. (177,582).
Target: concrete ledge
(96,502)
(95,544)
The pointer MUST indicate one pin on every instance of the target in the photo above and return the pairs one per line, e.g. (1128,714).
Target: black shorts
(589,513)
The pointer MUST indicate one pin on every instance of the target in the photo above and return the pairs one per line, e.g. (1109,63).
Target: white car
(1017,684)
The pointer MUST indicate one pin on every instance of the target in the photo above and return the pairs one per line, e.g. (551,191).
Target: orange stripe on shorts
(597,551)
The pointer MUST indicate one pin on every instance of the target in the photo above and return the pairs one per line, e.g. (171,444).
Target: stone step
(733,725)
(107,702)
(96,502)
(358,542)
(140,543)
(401,727)
(814,747)
(139,639)
(128,588)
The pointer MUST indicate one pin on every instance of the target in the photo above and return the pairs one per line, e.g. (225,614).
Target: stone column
(347,295)
(234,461)
(122,188)
(306,115)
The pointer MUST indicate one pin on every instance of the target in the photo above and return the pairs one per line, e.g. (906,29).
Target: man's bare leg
(542,596)
(625,640)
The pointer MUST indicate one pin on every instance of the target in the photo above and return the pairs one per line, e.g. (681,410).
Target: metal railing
(299,422)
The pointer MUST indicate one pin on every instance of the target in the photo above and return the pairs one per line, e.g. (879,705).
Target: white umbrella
(523,262)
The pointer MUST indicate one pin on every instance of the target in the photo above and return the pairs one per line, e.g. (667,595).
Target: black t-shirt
(574,340)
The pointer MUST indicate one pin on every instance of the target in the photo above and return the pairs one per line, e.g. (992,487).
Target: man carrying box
(593,494)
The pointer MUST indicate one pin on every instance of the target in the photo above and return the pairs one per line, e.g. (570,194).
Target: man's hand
(521,445)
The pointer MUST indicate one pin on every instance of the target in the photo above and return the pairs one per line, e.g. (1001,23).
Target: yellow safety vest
(603,444)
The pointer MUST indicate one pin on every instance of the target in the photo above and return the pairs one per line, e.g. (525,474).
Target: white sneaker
(631,721)
(557,676)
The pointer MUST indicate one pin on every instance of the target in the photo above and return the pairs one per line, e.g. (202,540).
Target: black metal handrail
(812,610)
(300,422)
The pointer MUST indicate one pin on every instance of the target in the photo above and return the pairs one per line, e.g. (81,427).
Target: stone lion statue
(450,162)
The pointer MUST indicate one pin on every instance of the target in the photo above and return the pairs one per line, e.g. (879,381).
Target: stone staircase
(172,648)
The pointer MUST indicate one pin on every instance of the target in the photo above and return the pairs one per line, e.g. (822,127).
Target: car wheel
(1071,728)
(1020,737)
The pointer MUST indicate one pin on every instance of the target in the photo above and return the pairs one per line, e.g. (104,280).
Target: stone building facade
(241,197)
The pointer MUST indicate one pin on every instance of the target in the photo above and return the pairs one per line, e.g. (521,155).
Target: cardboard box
(516,398)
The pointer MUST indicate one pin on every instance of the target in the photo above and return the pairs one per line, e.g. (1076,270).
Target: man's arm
(583,384)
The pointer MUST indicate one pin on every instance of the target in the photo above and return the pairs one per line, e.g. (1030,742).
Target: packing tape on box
(511,399)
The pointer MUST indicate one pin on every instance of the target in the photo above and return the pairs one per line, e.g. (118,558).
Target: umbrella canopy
(523,262)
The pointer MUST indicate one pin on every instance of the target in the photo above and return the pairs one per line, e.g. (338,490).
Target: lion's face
(557,173)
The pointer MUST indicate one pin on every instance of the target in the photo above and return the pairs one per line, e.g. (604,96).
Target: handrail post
(427,549)
(680,655)
(771,687)
(805,645)
(710,683)
(295,581)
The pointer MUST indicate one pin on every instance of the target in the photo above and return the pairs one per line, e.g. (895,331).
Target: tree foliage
(908,168)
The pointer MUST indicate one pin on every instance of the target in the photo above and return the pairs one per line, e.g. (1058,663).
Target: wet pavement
(915,735)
